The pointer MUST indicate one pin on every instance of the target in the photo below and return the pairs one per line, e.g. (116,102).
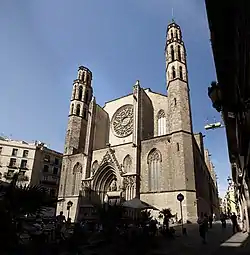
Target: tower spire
(173,15)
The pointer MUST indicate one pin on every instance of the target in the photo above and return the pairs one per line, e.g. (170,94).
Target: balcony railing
(21,177)
(8,176)
(12,166)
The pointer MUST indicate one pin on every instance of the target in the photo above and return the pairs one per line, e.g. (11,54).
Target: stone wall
(111,107)
(147,116)
(101,129)
(159,102)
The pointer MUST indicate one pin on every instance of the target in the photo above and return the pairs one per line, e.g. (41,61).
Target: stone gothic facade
(140,145)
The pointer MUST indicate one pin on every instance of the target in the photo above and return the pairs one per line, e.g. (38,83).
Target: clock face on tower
(122,121)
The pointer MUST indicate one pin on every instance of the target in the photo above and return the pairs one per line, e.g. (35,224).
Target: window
(25,153)
(78,109)
(154,168)
(47,158)
(127,164)
(72,109)
(178,146)
(85,113)
(45,178)
(179,52)
(12,162)
(94,166)
(175,102)
(180,71)
(45,168)
(56,161)
(74,92)
(1,176)
(23,163)
(9,174)
(52,193)
(172,52)
(176,34)
(80,93)
(161,122)
(1,150)
(173,72)
(14,152)
(55,170)
(86,97)
(77,176)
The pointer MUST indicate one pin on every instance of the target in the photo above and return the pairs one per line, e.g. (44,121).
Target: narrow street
(219,241)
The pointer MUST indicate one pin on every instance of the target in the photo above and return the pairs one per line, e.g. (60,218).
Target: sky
(43,43)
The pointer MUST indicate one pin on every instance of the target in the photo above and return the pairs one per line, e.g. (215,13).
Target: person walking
(223,220)
(234,222)
(203,223)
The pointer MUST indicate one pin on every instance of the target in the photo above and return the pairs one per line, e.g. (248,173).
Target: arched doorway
(106,184)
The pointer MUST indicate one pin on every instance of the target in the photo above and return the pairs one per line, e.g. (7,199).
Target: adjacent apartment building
(35,163)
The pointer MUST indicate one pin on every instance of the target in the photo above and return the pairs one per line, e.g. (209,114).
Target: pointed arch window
(176,34)
(86,96)
(172,52)
(161,123)
(85,113)
(179,52)
(181,72)
(154,168)
(95,166)
(127,164)
(78,110)
(72,109)
(74,92)
(173,72)
(172,35)
(80,93)
(77,176)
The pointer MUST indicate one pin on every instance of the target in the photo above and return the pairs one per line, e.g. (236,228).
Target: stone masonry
(140,145)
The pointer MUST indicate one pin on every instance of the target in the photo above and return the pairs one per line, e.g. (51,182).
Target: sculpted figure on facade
(113,185)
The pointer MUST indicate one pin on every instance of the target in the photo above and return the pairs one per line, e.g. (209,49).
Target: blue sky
(43,43)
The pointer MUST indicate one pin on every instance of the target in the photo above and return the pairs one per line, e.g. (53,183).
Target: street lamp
(214,92)
(69,205)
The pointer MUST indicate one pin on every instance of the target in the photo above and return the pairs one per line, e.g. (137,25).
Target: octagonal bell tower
(177,80)
(78,114)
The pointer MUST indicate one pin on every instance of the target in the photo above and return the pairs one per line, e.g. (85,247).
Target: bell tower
(177,80)
(78,114)
(180,121)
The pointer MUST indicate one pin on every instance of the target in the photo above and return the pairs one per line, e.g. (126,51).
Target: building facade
(140,145)
(35,163)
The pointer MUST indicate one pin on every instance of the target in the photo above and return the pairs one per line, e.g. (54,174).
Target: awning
(136,203)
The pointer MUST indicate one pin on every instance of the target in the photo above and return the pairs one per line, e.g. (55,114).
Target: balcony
(8,176)
(12,166)
(21,177)
(24,167)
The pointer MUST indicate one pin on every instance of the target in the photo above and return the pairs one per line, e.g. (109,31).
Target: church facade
(140,145)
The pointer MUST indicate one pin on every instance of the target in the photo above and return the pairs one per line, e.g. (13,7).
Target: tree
(167,215)
(16,202)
